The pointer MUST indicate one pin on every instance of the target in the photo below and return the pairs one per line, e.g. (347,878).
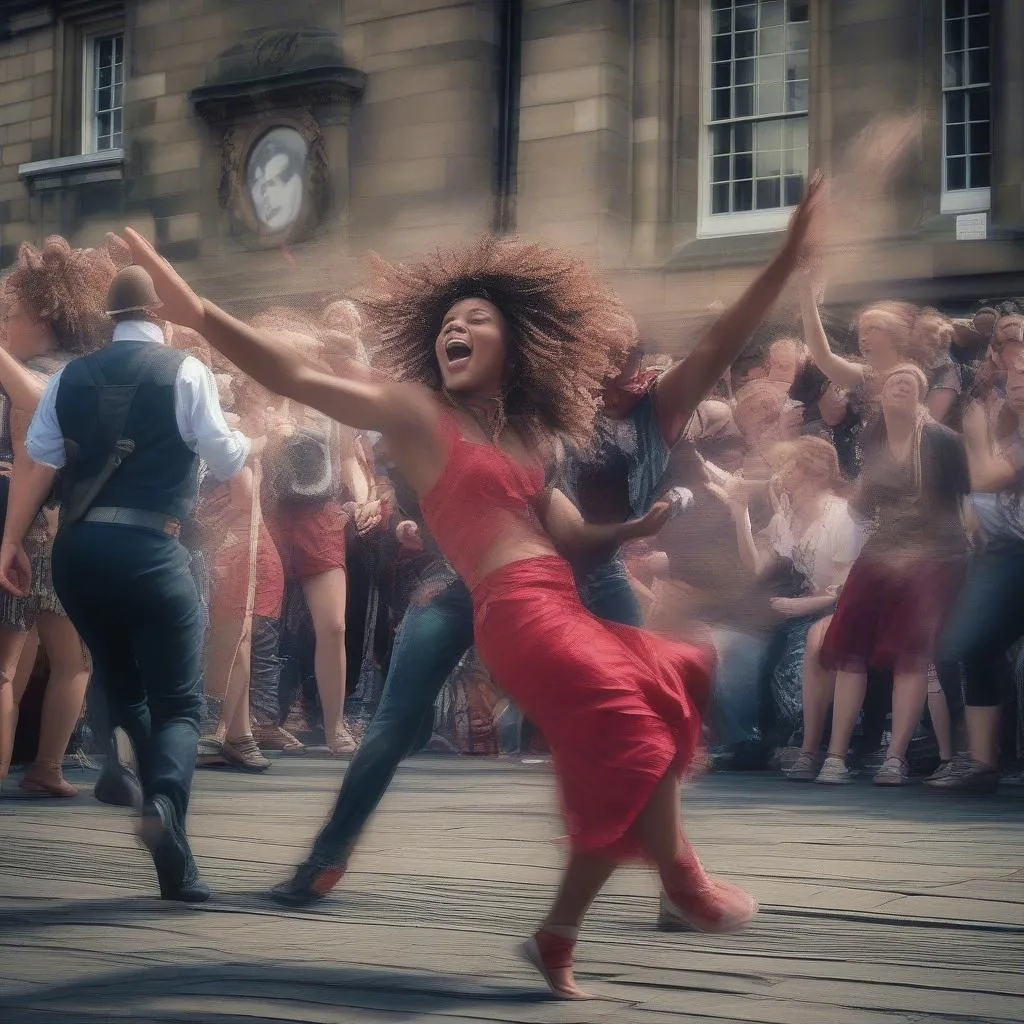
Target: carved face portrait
(275,174)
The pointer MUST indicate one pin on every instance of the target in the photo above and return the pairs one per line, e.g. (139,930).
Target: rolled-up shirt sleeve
(201,421)
(44,441)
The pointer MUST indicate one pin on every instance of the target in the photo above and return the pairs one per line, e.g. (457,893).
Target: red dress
(618,706)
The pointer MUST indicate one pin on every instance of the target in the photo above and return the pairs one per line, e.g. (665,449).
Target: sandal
(344,744)
(244,753)
(275,737)
(46,779)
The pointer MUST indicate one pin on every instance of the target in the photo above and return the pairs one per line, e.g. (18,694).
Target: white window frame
(89,140)
(962,200)
(718,225)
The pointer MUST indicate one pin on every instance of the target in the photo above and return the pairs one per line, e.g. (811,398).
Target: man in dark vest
(126,426)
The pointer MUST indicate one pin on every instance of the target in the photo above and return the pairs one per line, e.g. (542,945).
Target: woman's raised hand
(806,231)
(181,305)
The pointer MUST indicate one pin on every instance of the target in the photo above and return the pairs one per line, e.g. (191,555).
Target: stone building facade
(267,144)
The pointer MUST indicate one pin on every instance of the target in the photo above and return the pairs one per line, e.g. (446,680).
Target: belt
(156,521)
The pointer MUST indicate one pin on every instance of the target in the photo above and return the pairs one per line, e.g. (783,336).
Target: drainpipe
(509,75)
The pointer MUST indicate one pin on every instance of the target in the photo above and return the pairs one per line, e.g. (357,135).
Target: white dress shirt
(196,409)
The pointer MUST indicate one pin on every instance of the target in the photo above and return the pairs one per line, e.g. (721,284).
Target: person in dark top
(119,567)
(909,499)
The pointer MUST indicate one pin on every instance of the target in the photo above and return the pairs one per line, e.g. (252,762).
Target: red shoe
(551,954)
(709,905)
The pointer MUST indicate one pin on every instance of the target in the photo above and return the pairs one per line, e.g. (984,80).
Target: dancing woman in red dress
(502,346)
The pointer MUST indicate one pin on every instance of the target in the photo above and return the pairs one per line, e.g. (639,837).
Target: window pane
(978,6)
(955,140)
(793,189)
(104,77)
(798,36)
(720,104)
(718,4)
(118,97)
(771,40)
(720,75)
(979,138)
(768,135)
(977,66)
(742,196)
(743,138)
(768,164)
(720,168)
(769,194)
(798,10)
(978,105)
(745,71)
(954,35)
(953,70)
(746,18)
(722,48)
(956,173)
(955,107)
(977,32)
(773,12)
(743,166)
(103,99)
(770,99)
(743,101)
(721,139)
(798,65)
(720,199)
(797,97)
(746,44)
(979,172)
(721,21)
(794,134)
(771,69)
(954,8)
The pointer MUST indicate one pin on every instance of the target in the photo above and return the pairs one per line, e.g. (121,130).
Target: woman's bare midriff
(516,544)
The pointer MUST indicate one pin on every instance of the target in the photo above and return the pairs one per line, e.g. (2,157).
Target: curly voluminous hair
(66,288)
(569,332)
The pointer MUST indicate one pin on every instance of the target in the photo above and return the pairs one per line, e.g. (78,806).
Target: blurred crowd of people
(851,548)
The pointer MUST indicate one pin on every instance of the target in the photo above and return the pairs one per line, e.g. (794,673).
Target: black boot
(117,785)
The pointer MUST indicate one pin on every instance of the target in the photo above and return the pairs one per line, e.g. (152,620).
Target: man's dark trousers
(131,596)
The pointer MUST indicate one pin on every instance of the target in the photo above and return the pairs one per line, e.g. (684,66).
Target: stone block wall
(26,112)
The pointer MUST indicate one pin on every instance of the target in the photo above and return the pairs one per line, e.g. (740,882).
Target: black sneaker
(117,786)
(311,883)
(165,839)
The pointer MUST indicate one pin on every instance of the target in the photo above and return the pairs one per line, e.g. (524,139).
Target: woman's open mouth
(458,352)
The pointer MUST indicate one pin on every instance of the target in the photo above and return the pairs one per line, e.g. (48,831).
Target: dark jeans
(428,645)
(265,671)
(132,598)
(987,620)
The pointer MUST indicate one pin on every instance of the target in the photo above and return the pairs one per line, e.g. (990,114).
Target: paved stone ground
(879,907)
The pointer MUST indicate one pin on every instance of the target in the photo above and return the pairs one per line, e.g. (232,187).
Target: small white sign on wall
(971,227)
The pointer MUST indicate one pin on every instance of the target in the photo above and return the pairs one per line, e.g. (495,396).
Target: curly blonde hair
(66,288)
(569,332)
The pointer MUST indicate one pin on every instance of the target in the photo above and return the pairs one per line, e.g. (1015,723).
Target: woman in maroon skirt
(507,344)
(910,497)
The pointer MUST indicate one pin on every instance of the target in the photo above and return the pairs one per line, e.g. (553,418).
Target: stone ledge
(65,171)
(725,251)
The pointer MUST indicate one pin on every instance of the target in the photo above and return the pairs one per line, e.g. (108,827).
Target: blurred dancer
(126,425)
(53,310)
(501,343)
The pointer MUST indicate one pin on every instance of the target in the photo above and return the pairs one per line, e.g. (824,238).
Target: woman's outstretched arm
(682,387)
(366,403)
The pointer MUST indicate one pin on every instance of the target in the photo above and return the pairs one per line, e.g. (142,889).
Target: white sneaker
(834,772)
